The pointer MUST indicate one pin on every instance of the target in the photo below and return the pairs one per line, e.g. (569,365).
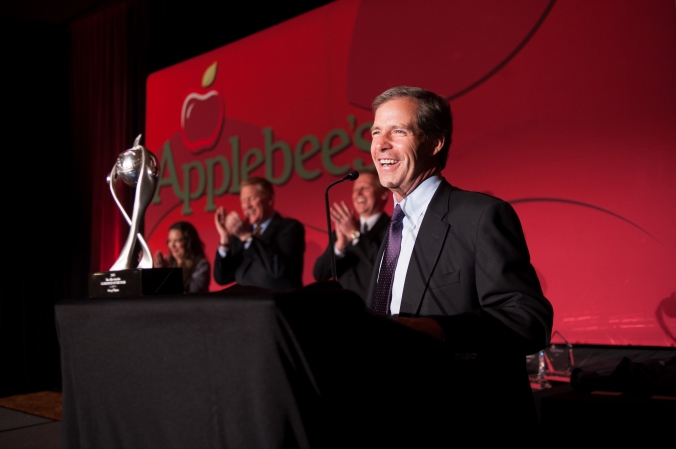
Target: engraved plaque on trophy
(132,275)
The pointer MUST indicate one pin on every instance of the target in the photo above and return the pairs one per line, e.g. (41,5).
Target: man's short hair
(434,116)
(263,185)
(372,171)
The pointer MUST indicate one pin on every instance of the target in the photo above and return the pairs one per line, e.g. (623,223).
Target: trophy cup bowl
(129,165)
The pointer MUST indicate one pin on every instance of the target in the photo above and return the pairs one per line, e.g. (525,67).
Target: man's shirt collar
(370,222)
(265,224)
(415,203)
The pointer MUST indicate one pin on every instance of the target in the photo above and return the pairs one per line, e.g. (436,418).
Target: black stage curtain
(38,208)
(107,79)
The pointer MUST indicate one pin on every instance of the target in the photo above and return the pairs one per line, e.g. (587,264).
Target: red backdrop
(565,109)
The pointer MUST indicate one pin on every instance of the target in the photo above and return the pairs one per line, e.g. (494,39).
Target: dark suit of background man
(357,241)
(263,250)
(463,275)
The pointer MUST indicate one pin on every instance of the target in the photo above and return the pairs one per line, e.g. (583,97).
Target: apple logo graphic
(202,115)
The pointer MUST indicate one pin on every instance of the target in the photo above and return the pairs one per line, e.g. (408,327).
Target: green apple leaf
(209,75)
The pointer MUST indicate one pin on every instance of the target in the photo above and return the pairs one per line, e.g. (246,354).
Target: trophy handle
(111,181)
(144,195)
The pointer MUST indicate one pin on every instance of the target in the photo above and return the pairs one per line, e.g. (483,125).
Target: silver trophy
(137,167)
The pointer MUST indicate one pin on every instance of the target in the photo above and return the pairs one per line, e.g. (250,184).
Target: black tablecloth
(244,368)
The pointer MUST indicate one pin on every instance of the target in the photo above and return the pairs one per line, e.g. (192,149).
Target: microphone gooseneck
(351,176)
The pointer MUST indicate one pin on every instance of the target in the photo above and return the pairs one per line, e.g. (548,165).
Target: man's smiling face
(402,155)
(368,196)
(255,205)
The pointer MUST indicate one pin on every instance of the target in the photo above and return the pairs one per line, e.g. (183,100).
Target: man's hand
(219,221)
(342,241)
(345,224)
(237,227)
(427,326)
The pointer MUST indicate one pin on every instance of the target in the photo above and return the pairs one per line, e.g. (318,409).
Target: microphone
(351,176)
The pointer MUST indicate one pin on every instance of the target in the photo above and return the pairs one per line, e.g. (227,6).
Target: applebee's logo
(234,149)
(202,115)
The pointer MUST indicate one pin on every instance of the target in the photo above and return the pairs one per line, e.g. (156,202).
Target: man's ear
(439,144)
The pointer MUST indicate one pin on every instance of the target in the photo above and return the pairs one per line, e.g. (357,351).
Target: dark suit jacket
(470,270)
(273,261)
(354,270)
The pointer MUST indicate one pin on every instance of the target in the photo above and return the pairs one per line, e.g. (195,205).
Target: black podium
(249,368)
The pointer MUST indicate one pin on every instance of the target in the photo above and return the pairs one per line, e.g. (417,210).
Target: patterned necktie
(257,231)
(389,263)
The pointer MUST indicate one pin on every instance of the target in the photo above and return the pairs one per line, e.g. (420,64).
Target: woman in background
(186,250)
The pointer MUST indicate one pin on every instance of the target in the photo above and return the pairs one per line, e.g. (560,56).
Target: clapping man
(263,249)
(358,235)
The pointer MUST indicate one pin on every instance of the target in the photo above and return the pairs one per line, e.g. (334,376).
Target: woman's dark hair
(194,247)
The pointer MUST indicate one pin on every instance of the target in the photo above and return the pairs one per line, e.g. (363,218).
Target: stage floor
(19,429)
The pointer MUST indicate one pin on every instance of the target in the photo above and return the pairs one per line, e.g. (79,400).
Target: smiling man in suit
(357,239)
(264,249)
(457,268)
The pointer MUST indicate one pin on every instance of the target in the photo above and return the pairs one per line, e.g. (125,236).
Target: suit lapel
(371,297)
(384,223)
(380,226)
(267,236)
(270,231)
(427,248)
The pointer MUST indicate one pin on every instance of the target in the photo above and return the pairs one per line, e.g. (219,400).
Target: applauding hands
(345,224)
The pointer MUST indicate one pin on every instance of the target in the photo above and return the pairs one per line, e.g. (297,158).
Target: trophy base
(136,282)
